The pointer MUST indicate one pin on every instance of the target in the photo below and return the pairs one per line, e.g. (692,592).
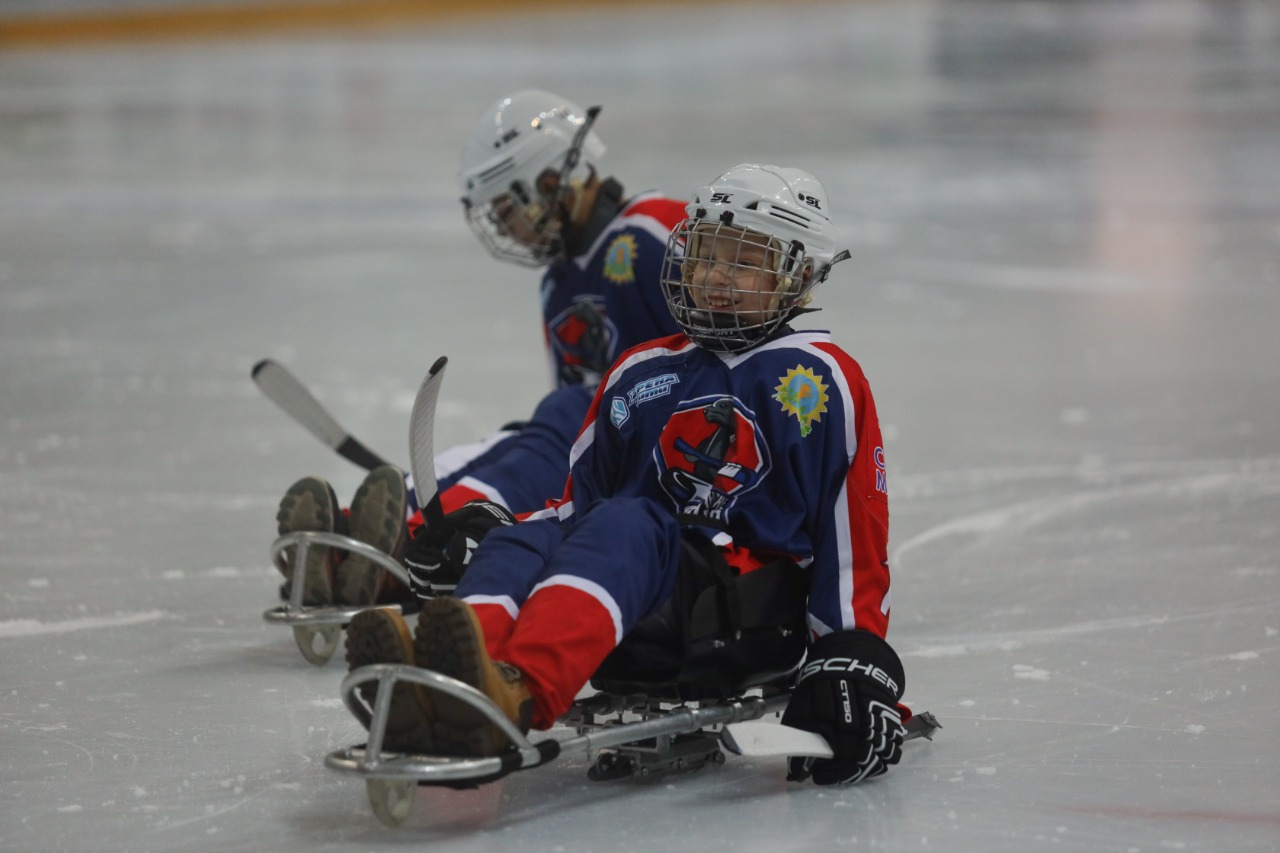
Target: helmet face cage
(522,141)
(520,225)
(729,287)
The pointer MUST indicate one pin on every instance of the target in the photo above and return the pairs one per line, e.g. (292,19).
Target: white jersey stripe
(506,602)
(485,489)
(844,537)
(592,589)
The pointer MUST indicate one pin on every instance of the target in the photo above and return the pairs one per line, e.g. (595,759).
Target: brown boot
(379,635)
(377,518)
(310,504)
(448,640)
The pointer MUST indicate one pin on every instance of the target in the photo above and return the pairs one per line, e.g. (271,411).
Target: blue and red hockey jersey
(596,305)
(777,450)
(607,299)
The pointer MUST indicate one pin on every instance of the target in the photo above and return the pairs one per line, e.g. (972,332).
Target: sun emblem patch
(802,394)
(620,259)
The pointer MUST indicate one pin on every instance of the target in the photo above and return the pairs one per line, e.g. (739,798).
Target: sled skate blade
(654,759)
(317,644)
(391,800)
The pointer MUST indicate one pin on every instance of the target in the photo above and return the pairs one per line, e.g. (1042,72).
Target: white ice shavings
(1030,672)
(34,627)
(1011,640)
(215,572)
(224,572)
(1024,515)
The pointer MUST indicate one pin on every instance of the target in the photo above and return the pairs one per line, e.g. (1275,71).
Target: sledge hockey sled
(317,629)
(644,736)
(723,651)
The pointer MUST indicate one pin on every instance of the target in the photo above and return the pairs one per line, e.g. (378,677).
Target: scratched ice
(1065,226)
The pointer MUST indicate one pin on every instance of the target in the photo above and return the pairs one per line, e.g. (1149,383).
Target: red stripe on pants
(559,640)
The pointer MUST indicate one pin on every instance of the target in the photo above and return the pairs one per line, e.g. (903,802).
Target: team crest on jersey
(583,337)
(620,260)
(803,394)
(709,453)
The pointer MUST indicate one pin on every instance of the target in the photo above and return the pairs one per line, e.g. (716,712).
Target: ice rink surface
(1065,289)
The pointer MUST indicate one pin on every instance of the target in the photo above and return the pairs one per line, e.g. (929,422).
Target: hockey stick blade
(763,739)
(422,422)
(758,739)
(284,389)
(287,391)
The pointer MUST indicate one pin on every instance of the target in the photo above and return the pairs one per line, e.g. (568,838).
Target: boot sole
(381,636)
(309,505)
(448,640)
(377,518)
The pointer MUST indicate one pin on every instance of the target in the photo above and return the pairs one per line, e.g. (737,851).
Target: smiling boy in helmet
(741,442)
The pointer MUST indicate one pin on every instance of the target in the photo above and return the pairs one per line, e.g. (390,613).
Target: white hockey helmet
(520,139)
(753,245)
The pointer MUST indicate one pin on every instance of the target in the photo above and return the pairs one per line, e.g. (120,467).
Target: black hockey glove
(848,692)
(441,549)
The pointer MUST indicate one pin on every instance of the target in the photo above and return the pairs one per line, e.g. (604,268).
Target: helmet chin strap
(821,273)
(571,158)
(604,207)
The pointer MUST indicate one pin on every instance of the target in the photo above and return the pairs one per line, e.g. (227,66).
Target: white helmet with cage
(753,245)
(523,140)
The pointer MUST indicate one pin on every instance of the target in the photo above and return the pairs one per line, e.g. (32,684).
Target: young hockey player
(533,196)
(741,442)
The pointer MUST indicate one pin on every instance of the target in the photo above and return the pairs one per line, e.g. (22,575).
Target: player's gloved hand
(848,692)
(441,549)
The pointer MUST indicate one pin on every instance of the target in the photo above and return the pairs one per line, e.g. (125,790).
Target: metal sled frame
(318,629)
(392,777)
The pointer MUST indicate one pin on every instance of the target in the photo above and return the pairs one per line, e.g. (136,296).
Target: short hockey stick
(422,422)
(287,391)
(763,739)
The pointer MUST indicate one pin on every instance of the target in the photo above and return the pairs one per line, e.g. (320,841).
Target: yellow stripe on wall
(229,20)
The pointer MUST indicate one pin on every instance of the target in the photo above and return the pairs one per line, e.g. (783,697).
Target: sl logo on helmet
(710,453)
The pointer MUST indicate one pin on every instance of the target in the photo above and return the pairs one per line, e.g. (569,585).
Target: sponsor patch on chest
(652,389)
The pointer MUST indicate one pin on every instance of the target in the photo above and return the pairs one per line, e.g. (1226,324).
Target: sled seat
(720,635)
